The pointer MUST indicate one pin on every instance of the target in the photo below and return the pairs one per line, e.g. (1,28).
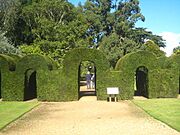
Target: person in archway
(88,80)
(93,81)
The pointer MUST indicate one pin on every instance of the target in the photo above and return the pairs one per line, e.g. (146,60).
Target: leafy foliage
(6,47)
(176,50)
(150,46)
(55,27)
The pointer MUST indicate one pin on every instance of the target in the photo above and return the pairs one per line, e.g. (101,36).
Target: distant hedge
(37,76)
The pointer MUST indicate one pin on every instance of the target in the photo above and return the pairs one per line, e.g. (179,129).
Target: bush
(37,76)
(130,63)
(163,83)
(71,66)
(159,81)
(6,63)
(14,85)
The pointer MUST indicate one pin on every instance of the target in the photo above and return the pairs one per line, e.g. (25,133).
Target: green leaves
(6,47)
(176,50)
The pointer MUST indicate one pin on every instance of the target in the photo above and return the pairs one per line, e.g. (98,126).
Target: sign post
(112,91)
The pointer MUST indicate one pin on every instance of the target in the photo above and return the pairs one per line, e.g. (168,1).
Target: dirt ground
(87,117)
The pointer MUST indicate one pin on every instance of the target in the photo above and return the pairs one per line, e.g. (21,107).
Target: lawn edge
(38,103)
(155,117)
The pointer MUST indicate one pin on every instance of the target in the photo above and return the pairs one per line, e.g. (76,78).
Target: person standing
(93,81)
(88,80)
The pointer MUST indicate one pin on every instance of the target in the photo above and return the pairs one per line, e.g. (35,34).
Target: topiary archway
(18,81)
(129,64)
(71,66)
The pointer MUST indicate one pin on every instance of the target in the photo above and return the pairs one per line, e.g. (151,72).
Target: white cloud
(172,41)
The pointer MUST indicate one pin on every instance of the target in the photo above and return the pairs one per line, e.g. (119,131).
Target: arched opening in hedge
(30,85)
(86,79)
(141,81)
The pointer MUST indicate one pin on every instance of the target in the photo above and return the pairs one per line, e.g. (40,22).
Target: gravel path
(87,117)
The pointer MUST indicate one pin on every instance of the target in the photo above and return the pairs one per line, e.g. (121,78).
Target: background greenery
(55,27)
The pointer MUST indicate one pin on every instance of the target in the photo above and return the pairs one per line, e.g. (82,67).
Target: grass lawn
(10,111)
(165,110)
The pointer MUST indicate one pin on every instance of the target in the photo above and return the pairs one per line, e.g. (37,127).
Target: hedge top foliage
(15,57)
(176,59)
(7,62)
(132,61)
(34,61)
(52,64)
(172,62)
(76,56)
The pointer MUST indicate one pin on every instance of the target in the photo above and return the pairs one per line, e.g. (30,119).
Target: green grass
(10,111)
(165,110)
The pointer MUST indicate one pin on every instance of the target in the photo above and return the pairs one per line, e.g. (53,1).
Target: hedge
(16,83)
(7,64)
(176,59)
(130,63)
(163,83)
(71,66)
(62,84)
(37,76)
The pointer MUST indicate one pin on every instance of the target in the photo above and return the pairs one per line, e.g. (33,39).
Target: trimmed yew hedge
(71,66)
(162,77)
(40,74)
(163,83)
(7,64)
(14,85)
(130,63)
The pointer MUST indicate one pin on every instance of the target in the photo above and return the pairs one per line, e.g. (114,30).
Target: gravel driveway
(87,117)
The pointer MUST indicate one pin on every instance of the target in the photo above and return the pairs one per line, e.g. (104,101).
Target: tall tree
(54,27)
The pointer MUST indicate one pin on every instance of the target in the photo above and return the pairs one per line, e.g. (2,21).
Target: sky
(162,17)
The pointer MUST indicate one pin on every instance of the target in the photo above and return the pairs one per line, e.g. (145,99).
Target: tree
(105,17)
(115,47)
(150,46)
(53,28)
(176,50)
(6,47)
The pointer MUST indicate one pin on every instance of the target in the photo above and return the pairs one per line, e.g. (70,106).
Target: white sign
(112,90)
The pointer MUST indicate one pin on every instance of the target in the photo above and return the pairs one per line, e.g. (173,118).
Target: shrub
(163,83)
(71,66)
(7,64)
(14,84)
(52,84)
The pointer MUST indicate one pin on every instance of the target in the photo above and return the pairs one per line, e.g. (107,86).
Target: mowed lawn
(10,111)
(165,110)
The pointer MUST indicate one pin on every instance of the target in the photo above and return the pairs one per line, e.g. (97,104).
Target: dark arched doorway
(86,79)
(141,82)
(30,90)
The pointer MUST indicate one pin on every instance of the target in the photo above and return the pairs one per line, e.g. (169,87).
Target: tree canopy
(54,27)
